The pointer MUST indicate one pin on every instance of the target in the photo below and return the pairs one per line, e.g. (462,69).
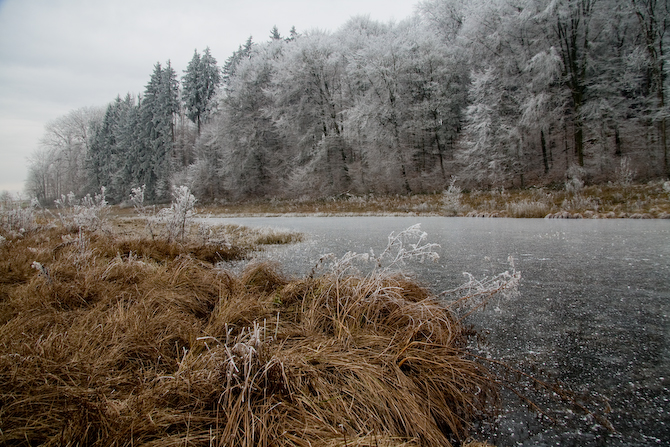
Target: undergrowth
(572,200)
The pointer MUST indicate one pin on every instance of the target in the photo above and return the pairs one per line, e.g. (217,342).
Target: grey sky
(60,55)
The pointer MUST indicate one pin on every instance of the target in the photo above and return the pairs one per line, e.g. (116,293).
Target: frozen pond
(593,311)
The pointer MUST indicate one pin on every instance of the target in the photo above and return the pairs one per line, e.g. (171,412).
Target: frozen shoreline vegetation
(108,337)
(639,201)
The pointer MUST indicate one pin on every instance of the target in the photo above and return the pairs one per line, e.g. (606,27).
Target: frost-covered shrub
(476,293)
(625,174)
(82,253)
(137,199)
(411,245)
(408,245)
(144,211)
(579,203)
(451,199)
(421,207)
(178,217)
(86,213)
(575,181)
(16,218)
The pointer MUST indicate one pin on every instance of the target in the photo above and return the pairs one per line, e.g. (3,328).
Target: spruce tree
(98,160)
(200,81)
(230,67)
(192,89)
(159,106)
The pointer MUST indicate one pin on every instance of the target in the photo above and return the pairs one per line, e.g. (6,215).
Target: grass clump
(528,209)
(261,235)
(141,344)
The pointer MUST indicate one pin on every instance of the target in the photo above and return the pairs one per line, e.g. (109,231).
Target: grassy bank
(650,200)
(112,337)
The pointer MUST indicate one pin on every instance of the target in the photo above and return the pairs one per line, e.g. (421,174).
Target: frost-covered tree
(382,103)
(574,31)
(435,82)
(445,16)
(247,140)
(230,67)
(494,142)
(60,164)
(488,149)
(654,21)
(274,33)
(293,35)
(308,97)
(200,81)
(159,107)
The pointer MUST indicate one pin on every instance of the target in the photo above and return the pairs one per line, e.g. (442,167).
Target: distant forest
(489,93)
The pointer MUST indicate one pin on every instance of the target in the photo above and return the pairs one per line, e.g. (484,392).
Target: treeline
(135,141)
(491,92)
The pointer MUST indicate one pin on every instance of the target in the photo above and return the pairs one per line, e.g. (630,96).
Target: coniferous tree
(192,89)
(274,33)
(128,143)
(99,159)
(158,109)
(201,79)
(230,67)
(293,35)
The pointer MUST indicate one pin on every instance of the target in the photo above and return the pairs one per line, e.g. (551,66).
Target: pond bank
(650,200)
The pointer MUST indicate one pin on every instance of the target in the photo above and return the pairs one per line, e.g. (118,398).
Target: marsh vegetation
(651,200)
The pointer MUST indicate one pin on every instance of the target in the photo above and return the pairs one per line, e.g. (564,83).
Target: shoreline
(640,201)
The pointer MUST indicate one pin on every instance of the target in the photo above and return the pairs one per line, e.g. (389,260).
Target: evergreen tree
(192,90)
(98,162)
(201,79)
(128,143)
(230,67)
(159,107)
(293,35)
(274,33)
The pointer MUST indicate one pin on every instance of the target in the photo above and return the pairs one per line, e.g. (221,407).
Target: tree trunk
(579,140)
(544,152)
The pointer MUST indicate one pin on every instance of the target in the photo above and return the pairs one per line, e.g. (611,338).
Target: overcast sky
(60,55)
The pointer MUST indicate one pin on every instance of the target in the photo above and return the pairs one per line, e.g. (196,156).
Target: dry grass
(117,340)
(649,200)
(261,236)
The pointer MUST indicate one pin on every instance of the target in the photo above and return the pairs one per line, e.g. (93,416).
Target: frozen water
(593,312)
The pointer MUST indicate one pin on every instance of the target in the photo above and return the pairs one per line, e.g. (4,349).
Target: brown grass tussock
(140,342)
